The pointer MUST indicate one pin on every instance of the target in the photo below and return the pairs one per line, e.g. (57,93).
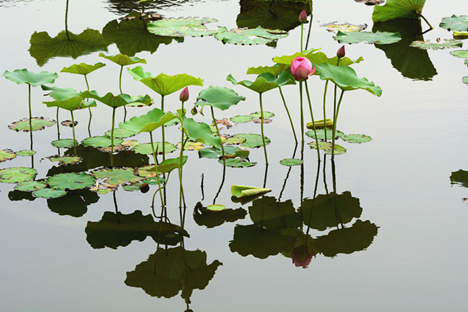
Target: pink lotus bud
(341,52)
(302,255)
(301,68)
(184,95)
(303,16)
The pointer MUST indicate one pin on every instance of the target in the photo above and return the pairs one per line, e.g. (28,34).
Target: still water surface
(417,260)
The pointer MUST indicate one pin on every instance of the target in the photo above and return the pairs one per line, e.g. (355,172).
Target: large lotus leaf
(17,174)
(315,57)
(345,77)
(6,155)
(115,101)
(147,149)
(348,240)
(459,177)
(49,193)
(43,47)
(117,176)
(82,68)
(61,94)
(138,73)
(132,36)
(210,219)
(118,230)
(395,9)
(249,36)
(34,79)
(101,141)
(260,242)
(70,104)
(327,211)
(251,140)
(123,60)
(460,53)
(164,84)
(456,23)
(71,181)
(149,122)
(378,37)
(265,81)
(271,214)
(36,123)
(200,131)
(168,165)
(74,203)
(181,27)
(219,97)
(30,186)
(447,43)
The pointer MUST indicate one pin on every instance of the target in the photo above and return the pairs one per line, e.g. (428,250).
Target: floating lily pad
(457,23)
(346,27)
(30,186)
(265,115)
(321,145)
(378,37)
(252,140)
(216,152)
(146,148)
(465,79)
(71,181)
(241,118)
(234,140)
(64,143)
(338,150)
(460,53)
(69,123)
(258,35)
(447,43)
(239,162)
(130,143)
(100,141)
(321,134)
(216,207)
(65,160)
(49,193)
(121,133)
(357,138)
(117,176)
(6,154)
(291,162)
(181,27)
(36,123)
(192,146)
(265,121)
(17,174)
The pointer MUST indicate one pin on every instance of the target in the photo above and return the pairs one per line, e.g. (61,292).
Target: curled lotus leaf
(216,207)
(49,193)
(218,97)
(30,186)
(60,94)
(82,68)
(149,122)
(345,77)
(264,82)
(455,23)
(17,174)
(6,154)
(117,176)
(370,37)
(25,153)
(169,164)
(34,79)
(447,43)
(200,131)
(395,9)
(37,123)
(274,69)
(123,60)
(257,35)
(181,27)
(71,181)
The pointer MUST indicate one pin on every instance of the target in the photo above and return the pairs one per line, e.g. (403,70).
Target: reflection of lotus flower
(341,52)
(302,255)
(301,68)
(184,95)
(303,16)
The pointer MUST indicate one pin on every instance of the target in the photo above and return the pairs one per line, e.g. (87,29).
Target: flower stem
(289,115)
(261,128)
(163,132)
(302,114)
(313,121)
(112,136)
(73,127)
(324,109)
(217,131)
(157,173)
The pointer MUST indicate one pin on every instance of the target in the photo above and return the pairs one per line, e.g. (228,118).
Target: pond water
(405,251)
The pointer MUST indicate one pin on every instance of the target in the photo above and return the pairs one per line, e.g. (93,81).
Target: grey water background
(417,261)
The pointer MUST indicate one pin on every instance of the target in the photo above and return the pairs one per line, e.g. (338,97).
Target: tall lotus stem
(335,117)
(163,132)
(302,20)
(289,115)
(313,121)
(30,109)
(89,108)
(261,128)
(112,136)
(302,114)
(120,88)
(73,127)
(157,173)
(217,131)
(324,109)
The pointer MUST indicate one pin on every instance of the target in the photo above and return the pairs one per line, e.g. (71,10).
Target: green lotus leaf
(100,141)
(71,181)
(82,68)
(43,47)
(117,175)
(345,77)
(138,73)
(321,134)
(265,115)
(6,155)
(218,97)
(130,143)
(146,148)
(258,35)
(465,79)
(366,36)
(447,43)
(291,162)
(61,94)
(245,190)
(455,23)
(115,101)
(25,153)
(394,9)
(70,104)
(149,122)
(191,146)
(338,150)
(123,60)
(356,138)
(37,123)
(241,118)
(275,70)
(64,143)
(216,207)
(30,186)
(34,79)
(265,81)
(65,160)
(210,219)
(315,57)
(345,27)
(121,133)
(49,193)
(252,140)
(238,162)
(216,152)
(17,174)
(460,53)
(181,27)
(168,165)
(460,34)
(199,131)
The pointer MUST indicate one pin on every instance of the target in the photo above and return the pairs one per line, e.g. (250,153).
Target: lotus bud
(341,52)
(184,95)
(303,16)
(301,68)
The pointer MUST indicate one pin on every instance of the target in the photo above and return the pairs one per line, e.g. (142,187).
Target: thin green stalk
(310,24)
(335,122)
(157,173)
(302,115)
(289,115)
(56,117)
(313,121)
(120,88)
(163,132)
(302,35)
(182,147)
(66,21)
(261,128)
(112,136)
(217,131)
(324,109)
(30,109)
(73,127)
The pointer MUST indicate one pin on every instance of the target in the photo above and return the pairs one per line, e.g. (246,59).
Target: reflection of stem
(287,175)
(182,146)
(324,174)
(89,108)
(219,135)
(335,117)
(202,186)
(116,208)
(261,128)
(289,115)
(220,186)
(73,127)
(265,178)
(313,198)
(313,121)
(163,132)
(57,117)
(30,109)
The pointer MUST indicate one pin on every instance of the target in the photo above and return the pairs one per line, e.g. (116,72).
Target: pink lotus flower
(303,16)
(341,52)
(184,95)
(302,255)
(301,68)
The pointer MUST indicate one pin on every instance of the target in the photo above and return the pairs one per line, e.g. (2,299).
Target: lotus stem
(302,114)
(427,22)
(73,127)
(261,128)
(302,35)
(217,131)
(157,173)
(163,132)
(313,121)
(30,109)
(112,136)
(289,115)
(56,117)
(335,117)
(324,109)
(66,21)
(310,24)
(120,88)
(182,147)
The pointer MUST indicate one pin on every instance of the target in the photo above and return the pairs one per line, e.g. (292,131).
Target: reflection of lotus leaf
(259,242)
(348,240)
(181,27)
(457,23)
(249,36)
(117,175)
(71,181)
(395,9)
(6,155)
(327,211)
(447,43)
(269,213)
(210,219)
(459,177)
(36,124)
(17,174)
(378,37)
(75,203)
